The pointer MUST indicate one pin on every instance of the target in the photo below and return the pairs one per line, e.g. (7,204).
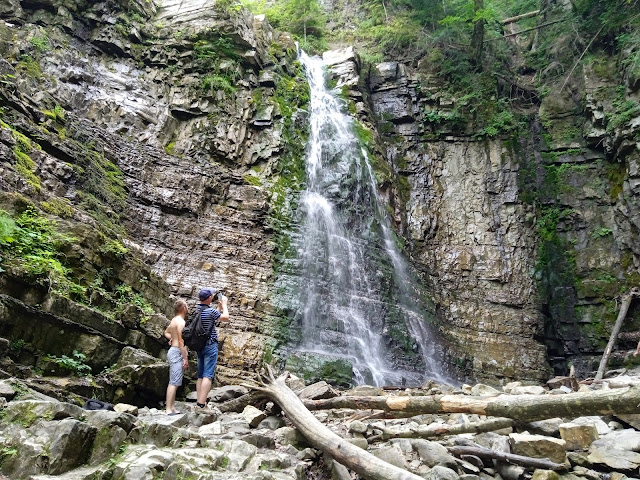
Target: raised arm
(222,307)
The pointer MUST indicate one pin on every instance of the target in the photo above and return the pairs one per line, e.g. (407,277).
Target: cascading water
(358,301)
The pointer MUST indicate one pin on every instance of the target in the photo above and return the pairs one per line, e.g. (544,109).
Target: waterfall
(358,300)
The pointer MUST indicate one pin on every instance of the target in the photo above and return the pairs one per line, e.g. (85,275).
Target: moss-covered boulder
(315,367)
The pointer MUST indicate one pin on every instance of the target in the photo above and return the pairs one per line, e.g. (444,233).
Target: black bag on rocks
(194,334)
(94,404)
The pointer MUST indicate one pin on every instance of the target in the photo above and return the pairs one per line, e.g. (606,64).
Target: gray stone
(290,436)
(528,390)
(253,416)
(69,446)
(614,458)
(272,423)
(317,391)
(307,454)
(392,455)
(545,475)
(358,427)
(365,391)
(578,437)
(627,439)
(135,356)
(227,392)
(549,427)
(441,473)
(126,408)
(26,412)
(105,418)
(509,472)
(601,427)
(360,442)
(6,390)
(538,446)
(432,454)
(481,390)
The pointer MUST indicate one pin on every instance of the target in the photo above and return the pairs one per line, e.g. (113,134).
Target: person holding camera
(208,356)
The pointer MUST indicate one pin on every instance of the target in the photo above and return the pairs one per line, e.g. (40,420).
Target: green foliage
(40,42)
(217,82)
(75,364)
(57,114)
(601,232)
(60,207)
(625,111)
(17,345)
(224,462)
(114,247)
(253,180)
(169,148)
(34,248)
(30,66)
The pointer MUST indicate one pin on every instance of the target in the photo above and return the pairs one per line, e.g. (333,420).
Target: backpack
(94,404)
(194,334)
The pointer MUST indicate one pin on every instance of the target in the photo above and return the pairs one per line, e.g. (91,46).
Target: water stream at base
(357,295)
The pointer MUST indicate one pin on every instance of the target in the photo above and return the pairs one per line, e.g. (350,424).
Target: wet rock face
(523,243)
(197,106)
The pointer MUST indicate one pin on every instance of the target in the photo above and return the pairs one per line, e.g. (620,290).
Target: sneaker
(203,411)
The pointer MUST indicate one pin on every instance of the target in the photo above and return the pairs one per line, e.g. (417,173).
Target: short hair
(180,305)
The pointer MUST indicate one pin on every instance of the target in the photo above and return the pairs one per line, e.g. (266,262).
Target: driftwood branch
(360,461)
(533,463)
(522,408)
(580,58)
(527,30)
(517,18)
(439,430)
(624,308)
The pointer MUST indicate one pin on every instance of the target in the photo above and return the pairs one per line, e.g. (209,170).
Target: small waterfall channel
(358,301)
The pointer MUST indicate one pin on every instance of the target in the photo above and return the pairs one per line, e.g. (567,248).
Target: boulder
(227,392)
(482,390)
(317,391)
(529,390)
(253,416)
(568,382)
(601,427)
(358,427)
(69,445)
(135,356)
(432,453)
(614,458)
(290,436)
(441,473)
(578,436)
(392,455)
(538,446)
(6,390)
(509,472)
(545,475)
(549,427)
(627,439)
(27,412)
(272,423)
(125,408)
(365,391)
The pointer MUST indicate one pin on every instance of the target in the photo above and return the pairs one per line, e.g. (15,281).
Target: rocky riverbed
(43,438)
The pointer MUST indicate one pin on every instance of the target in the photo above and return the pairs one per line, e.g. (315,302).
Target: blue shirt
(209,316)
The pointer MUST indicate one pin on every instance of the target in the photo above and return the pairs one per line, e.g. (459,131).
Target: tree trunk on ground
(624,308)
(533,463)
(360,461)
(238,404)
(441,429)
(522,408)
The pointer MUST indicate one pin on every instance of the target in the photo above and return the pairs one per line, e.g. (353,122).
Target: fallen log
(360,461)
(517,18)
(442,429)
(237,404)
(624,308)
(522,408)
(533,463)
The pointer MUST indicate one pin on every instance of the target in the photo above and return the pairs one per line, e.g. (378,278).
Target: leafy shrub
(75,364)
(31,245)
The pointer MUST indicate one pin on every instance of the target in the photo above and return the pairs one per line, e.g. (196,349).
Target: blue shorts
(207,359)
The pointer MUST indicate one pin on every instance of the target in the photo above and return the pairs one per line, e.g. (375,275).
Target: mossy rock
(316,367)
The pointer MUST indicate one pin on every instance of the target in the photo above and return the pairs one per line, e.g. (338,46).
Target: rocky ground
(44,438)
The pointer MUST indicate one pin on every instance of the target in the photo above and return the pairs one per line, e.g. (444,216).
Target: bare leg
(198,388)
(171,398)
(203,386)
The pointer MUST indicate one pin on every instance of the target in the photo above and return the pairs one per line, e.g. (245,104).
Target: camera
(218,295)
